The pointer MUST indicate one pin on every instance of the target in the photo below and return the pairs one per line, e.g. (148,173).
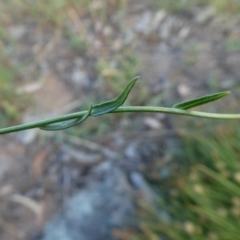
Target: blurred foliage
(45,10)
(10,106)
(69,20)
(231,6)
(226,5)
(232,45)
(118,69)
(202,194)
(173,5)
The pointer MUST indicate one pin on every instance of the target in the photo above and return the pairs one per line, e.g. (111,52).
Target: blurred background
(121,176)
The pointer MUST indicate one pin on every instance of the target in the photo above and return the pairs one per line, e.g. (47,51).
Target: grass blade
(200,101)
(110,106)
(229,185)
(212,216)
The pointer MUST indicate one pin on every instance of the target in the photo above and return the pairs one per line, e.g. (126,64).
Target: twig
(27,202)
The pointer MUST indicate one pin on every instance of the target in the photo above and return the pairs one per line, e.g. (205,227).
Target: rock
(107,31)
(184,32)
(141,185)
(44,68)
(96,5)
(166,28)
(17,31)
(93,213)
(102,168)
(28,136)
(84,159)
(5,166)
(158,19)
(205,15)
(183,90)
(30,87)
(80,77)
(228,83)
(131,151)
(143,22)
(128,37)
(152,123)
(149,23)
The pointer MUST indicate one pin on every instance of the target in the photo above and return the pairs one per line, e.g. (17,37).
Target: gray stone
(143,23)
(166,28)
(131,151)
(93,213)
(107,31)
(158,19)
(228,83)
(205,15)
(140,183)
(184,32)
(80,77)
(17,31)
(129,37)
(149,22)
(28,136)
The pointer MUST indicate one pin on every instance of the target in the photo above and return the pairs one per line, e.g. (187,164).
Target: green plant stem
(73,116)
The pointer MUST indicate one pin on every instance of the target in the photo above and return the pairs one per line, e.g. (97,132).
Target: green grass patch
(202,194)
(227,6)
(232,45)
(11,103)
(172,5)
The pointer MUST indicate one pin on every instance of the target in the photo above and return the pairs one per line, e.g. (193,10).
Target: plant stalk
(73,116)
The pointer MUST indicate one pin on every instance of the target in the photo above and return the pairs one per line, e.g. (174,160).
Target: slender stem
(178,112)
(42,122)
(121,110)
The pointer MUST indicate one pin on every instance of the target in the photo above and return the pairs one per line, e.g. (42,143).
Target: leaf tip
(200,101)
(135,78)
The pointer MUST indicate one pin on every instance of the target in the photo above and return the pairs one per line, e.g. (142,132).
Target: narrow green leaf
(66,124)
(200,101)
(110,106)
(210,213)
(227,184)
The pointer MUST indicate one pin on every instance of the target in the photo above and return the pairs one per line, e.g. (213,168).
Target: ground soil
(181,58)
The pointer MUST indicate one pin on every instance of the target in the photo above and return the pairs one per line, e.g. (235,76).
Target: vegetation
(11,102)
(227,6)
(202,193)
(114,106)
(68,23)
(110,65)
